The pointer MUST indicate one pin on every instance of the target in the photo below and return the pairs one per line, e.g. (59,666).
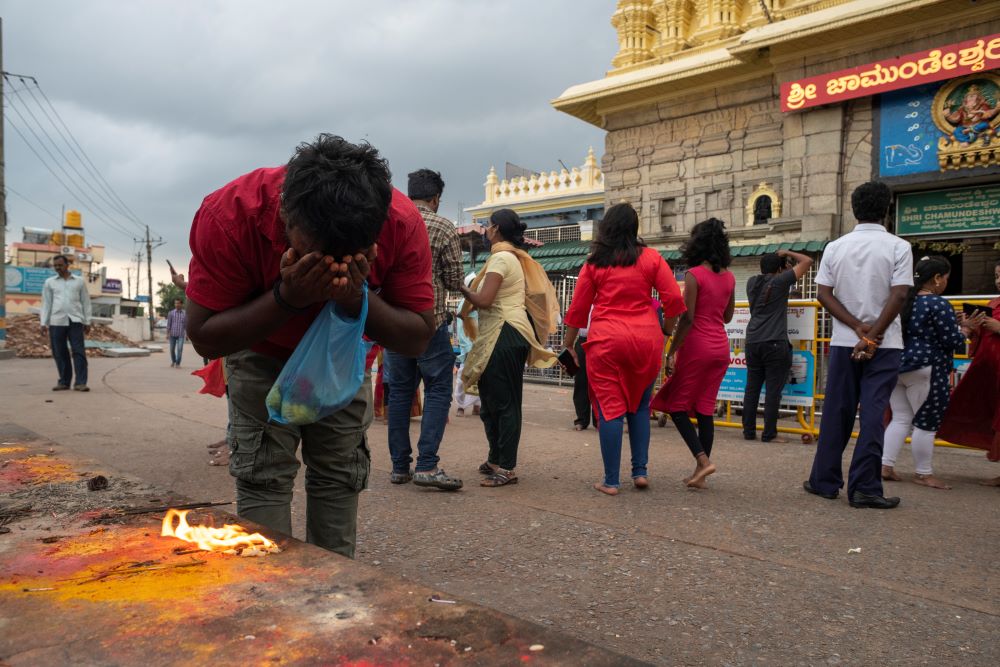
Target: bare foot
(931,481)
(698,480)
(641,482)
(889,474)
(701,484)
(990,482)
(609,490)
(219,458)
(217,445)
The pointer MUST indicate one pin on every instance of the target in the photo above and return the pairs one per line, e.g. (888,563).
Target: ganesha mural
(967,111)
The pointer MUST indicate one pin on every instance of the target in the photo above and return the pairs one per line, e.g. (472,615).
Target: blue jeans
(58,338)
(435,367)
(176,349)
(638,440)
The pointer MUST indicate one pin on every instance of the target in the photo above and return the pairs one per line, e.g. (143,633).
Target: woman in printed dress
(932,337)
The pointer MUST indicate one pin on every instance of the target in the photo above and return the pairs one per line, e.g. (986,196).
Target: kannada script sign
(956,211)
(946,62)
(801,323)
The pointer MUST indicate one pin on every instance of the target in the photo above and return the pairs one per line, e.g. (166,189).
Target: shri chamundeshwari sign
(945,62)
(958,211)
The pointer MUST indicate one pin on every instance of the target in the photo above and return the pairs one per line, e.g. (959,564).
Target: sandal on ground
(578,427)
(606,490)
(500,477)
(438,479)
(400,477)
(486,469)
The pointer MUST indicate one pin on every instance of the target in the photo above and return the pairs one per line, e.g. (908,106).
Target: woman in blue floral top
(932,336)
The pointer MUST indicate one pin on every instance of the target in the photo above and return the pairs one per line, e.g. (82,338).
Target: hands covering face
(315,277)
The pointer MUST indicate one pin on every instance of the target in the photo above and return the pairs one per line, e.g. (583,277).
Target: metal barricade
(818,346)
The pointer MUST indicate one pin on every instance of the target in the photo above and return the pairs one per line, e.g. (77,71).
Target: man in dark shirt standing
(768,350)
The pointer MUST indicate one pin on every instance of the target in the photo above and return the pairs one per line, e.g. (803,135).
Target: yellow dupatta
(540,298)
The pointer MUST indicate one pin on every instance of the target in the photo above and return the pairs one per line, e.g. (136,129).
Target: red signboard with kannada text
(946,62)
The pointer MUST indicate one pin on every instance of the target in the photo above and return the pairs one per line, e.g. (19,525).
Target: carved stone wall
(707,152)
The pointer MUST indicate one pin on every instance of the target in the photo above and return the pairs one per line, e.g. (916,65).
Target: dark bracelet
(284,305)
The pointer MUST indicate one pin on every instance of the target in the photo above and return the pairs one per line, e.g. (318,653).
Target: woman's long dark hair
(708,243)
(924,271)
(509,225)
(617,242)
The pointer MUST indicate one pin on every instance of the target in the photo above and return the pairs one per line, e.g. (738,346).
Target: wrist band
(869,341)
(284,305)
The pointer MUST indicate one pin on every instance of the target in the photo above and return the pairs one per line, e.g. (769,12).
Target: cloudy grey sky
(173,99)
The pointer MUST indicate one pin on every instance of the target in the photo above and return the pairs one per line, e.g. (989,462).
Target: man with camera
(768,350)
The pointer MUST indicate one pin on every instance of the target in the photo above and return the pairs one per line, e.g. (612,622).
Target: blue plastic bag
(325,371)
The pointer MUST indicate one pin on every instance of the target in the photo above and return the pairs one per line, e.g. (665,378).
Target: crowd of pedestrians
(276,244)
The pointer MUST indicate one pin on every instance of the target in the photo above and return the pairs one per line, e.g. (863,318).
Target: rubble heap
(25,337)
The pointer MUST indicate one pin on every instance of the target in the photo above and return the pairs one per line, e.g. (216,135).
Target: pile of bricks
(25,337)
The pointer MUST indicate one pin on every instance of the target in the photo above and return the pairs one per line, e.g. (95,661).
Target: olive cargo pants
(263,457)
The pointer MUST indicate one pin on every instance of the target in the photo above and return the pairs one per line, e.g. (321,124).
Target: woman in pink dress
(699,350)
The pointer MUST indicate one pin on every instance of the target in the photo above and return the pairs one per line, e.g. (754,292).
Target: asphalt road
(750,571)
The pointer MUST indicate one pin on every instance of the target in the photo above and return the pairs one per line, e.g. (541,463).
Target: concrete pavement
(752,571)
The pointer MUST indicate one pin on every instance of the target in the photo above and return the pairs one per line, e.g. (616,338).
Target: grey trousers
(263,457)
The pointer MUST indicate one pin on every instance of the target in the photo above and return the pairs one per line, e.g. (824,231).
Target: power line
(97,208)
(55,145)
(110,199)
(56,218)
(33,203)
(83,153)
(121,230)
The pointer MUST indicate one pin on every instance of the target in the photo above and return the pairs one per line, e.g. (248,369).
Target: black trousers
(768,364)
(581,397)
(501,388)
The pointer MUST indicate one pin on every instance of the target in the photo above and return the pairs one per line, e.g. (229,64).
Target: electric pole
(149,277)
(3,219)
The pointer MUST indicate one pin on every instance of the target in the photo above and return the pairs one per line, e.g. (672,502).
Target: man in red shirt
(268,250)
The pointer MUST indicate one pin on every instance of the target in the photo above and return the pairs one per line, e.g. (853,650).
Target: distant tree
(165,295)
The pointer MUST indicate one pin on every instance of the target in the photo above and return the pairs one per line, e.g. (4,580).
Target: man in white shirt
(863,281)
(66,318)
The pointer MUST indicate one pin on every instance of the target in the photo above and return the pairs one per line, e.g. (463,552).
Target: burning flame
(230,539)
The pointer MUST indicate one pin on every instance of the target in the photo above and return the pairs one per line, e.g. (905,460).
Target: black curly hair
(337,193)
(708,243)
(617,242)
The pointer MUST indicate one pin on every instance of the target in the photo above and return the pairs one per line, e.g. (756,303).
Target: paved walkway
(752,571)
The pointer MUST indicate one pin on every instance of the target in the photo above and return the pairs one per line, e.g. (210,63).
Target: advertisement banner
(801,323)
(944,62)
(798,391)
(29,279)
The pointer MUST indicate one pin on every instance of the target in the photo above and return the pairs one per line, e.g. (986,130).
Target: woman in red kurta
(973,416)
(699,351)
(625,341)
